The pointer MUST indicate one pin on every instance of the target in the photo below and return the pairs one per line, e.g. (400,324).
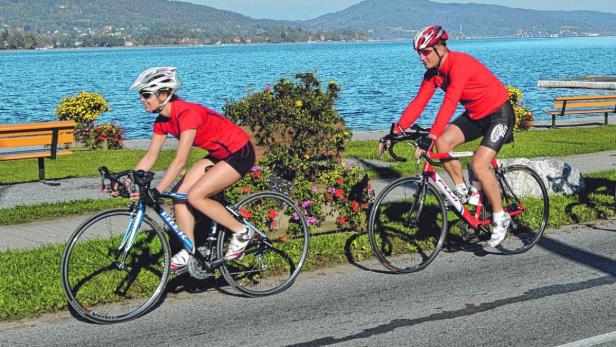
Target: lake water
(378,79)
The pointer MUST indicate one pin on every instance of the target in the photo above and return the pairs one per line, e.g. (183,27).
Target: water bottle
(475,191)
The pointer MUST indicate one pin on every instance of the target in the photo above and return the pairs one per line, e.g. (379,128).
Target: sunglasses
(146,95)
(425,52)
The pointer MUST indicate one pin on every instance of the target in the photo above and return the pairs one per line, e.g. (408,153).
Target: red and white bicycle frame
(472,218)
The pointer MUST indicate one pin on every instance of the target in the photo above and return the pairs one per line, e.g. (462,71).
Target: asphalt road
(562,291)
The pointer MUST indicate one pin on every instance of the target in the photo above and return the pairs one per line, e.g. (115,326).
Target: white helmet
(155,79)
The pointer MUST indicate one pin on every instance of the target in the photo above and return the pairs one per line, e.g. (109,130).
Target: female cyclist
(230,156)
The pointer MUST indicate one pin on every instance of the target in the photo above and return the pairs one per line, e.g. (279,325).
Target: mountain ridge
(76,23)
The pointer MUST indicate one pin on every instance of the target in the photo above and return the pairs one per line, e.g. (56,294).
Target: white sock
(462,189)
(243,230)
(499,216)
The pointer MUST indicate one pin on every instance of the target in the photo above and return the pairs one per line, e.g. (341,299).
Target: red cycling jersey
(464,79)
(215,133)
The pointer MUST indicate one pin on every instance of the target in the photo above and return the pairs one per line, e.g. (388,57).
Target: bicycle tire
(522,188)
(403,241)
(267,269)
(96,287)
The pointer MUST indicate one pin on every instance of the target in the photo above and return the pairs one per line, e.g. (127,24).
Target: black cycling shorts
(242,160)
(496,128)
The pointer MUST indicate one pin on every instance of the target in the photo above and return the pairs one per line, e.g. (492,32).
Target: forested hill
(69,23)
(79,23)
(400,18)
(66,14)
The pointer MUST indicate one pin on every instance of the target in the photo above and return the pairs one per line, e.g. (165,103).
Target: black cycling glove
(424,143)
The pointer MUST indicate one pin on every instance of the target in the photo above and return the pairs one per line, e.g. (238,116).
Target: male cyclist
(488,113)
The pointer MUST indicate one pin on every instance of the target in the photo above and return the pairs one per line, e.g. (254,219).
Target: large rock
(558,176)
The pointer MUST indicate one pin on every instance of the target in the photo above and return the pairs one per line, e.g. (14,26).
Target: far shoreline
(253,44)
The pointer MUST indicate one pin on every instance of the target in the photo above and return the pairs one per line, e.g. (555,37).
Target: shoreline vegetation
(249,44)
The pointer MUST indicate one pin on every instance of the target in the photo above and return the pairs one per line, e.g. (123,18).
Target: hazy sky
(308,9)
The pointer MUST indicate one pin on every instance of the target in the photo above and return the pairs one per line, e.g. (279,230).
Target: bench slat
(584,97)
(33,155)
(586,104)
(37,126)
(22,133)
(34,140)
(567,111)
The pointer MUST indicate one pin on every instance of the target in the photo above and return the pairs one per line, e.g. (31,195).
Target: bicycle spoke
(405,233)
(523,191)
(104,290)
(276,255)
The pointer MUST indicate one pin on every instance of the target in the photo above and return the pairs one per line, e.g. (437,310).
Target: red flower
(257,175)
(341,220)
(340,180)
(272,214)
(245,189)
(273,225)
(355,206)
(245,213)
(329,197)
(338,193)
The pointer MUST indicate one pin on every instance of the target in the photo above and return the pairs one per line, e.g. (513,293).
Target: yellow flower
(299,103)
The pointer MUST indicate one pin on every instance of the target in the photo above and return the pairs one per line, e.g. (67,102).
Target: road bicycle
(408,222)
(116,264)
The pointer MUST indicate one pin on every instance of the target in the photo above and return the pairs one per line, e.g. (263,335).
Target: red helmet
(429,36)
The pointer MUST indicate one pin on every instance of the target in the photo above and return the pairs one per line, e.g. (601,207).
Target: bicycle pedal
(180,271)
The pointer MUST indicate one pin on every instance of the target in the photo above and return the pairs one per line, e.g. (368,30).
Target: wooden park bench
(590,104)
(35,140)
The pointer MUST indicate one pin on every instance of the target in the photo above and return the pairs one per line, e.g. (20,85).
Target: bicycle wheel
(526,199)
(274,258)
(98,284)
(407,225)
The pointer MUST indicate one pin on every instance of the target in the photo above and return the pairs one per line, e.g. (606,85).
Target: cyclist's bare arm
(187,139)
(149,159)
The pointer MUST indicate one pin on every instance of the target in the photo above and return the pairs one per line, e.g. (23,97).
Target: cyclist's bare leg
(184,215)
(451,138)
(217,179)
(481,168)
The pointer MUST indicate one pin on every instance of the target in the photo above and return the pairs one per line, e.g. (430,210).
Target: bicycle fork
(128,238)
(417,205)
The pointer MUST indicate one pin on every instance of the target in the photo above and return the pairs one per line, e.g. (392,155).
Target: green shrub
(296,123)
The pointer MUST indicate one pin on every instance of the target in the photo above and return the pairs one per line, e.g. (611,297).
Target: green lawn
(529,144)
(539,143)
(83,164)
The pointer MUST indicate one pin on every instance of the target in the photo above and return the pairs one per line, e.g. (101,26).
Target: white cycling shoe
(180,260)
(237,246)
(499,229)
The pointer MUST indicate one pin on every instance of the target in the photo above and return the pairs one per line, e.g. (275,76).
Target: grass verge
(30,213)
